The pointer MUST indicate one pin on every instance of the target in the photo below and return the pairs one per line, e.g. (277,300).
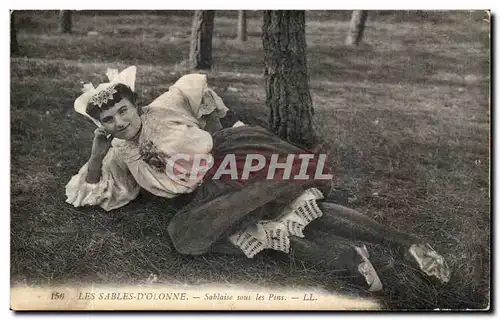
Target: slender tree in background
(14,45)
(65,21)
(200,53)
(286,76)
(242,25)
(356,27)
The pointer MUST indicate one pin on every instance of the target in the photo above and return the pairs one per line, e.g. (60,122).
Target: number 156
(57,296)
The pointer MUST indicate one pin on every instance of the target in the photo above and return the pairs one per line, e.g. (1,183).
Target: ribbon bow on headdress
(104,91)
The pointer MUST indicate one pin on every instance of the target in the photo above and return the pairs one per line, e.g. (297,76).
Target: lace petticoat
(274,234)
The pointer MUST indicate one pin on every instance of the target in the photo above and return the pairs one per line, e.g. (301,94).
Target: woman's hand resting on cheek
(100,144)
(100,147)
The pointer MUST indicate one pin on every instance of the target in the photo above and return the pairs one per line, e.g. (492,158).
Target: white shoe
(367,270)
(430,262)
(238,124)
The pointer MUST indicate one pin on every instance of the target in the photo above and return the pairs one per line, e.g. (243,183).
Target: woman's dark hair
(122,92)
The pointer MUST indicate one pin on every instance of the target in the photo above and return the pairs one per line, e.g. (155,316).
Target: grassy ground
(406,116)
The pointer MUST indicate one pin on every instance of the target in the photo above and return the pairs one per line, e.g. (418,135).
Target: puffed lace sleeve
(189,100)
(201,99)
(116,188)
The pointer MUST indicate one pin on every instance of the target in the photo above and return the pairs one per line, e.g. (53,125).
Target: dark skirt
(223,206)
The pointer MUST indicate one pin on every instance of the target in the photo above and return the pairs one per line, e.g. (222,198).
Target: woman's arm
(95,169)
(100,147)
(106,182)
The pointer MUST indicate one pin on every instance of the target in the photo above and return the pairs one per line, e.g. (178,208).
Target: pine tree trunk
(65,20)
(356,27)
(286,76)
(14,45)
(242,25)
(200,54)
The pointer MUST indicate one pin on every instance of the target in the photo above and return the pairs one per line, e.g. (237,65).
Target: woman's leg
(353,225)
(328,245)
(329,254)
(339,256)
(350,224)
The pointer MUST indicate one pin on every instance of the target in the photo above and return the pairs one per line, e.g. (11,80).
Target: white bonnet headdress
(104,91)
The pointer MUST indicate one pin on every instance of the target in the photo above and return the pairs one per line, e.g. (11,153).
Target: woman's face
(122,120)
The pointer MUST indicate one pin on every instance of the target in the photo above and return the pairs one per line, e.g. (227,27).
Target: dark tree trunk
(286,77)
(200,53)
(14,45)
(242,25)
(356,27)
(65,20)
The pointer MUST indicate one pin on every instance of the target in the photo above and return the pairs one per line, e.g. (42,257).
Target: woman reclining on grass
(176,146)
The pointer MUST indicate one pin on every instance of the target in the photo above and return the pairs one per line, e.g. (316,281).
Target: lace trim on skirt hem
(274,234)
